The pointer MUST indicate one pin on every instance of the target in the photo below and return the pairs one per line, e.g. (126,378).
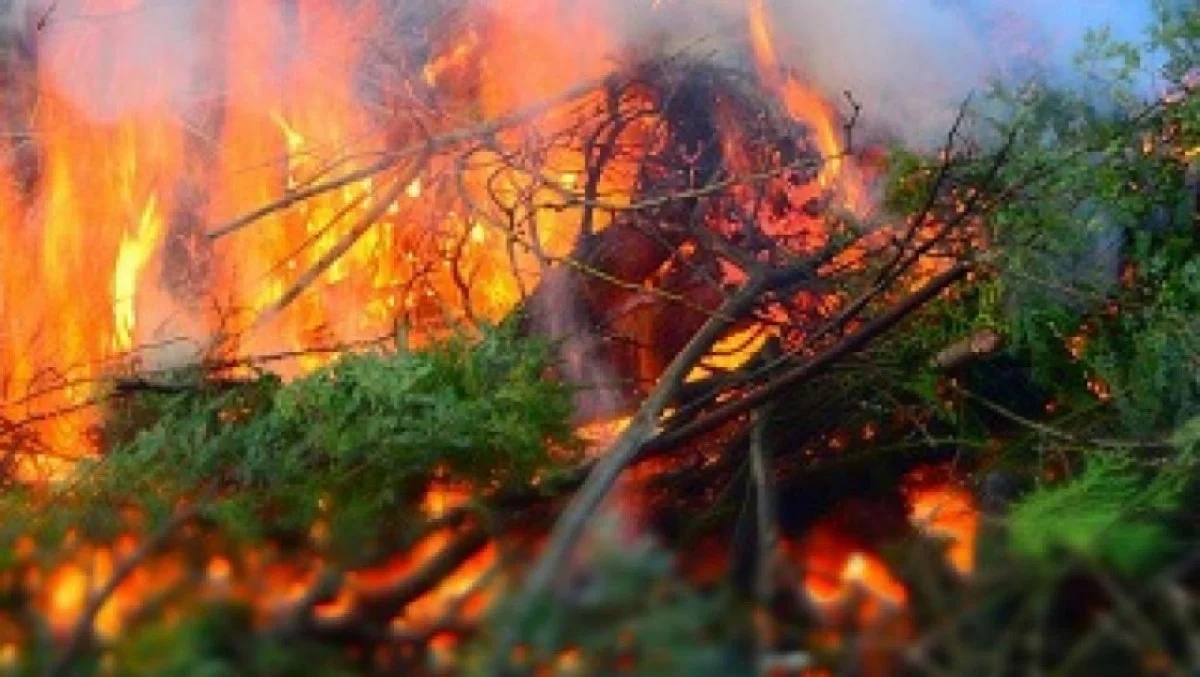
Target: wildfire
(807,105)
(115,257)
(107,255)
(112,237)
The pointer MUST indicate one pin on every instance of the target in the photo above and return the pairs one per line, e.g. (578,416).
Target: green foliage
(1095,251)
(219,641)
(1113,512)
(628,613)
(1177,32)
(355,444)
(1152,353)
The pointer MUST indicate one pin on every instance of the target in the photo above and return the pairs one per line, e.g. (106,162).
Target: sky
(1053,28)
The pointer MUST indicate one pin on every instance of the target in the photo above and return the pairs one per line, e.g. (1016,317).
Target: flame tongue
(136,250)
(806,105)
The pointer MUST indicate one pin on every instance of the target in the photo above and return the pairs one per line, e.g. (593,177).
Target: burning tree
(358,353)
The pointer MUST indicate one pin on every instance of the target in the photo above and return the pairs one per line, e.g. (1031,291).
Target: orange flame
(947,511)
(809,106)
(110,250)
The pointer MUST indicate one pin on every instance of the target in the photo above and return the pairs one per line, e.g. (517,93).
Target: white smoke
(910,63)
(123,58)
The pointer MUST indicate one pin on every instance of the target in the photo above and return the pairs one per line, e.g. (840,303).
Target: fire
(809,106)
(947,511)
(68,594)
(113,258)
(836,569)
(136,249)
(115,228)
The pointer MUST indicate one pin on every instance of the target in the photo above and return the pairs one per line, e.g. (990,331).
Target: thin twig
(818,365)
(1062,435)
(430,146)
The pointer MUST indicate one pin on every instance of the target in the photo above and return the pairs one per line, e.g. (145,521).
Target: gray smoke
(911,63)
(115,62)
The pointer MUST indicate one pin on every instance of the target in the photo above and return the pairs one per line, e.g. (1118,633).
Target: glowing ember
(835,570)
(947,512)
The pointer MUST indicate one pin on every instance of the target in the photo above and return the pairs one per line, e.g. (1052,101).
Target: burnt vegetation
(788,386)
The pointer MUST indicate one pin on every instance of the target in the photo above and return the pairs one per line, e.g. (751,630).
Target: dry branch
(813,368)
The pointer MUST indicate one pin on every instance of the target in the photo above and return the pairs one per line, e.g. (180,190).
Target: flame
(731,352)
(111,254)
(809,106)
(835,569)
(135,252)
(947,511)
(117,258)
(443,497)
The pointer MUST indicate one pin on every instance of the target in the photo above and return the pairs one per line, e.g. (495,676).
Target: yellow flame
(135,252)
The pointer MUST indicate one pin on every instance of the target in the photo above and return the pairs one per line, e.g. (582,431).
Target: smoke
(114,59)
(119,58)
(910,63)
(557,314)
